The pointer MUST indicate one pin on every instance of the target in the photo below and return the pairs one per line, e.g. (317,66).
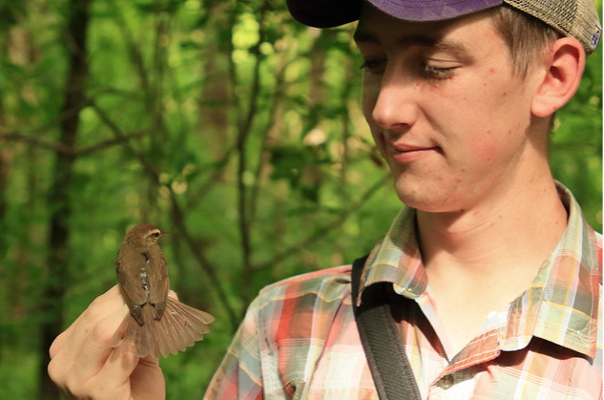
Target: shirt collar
(561,306)
(397,258)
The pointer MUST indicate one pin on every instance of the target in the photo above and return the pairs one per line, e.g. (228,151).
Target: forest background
(226,124)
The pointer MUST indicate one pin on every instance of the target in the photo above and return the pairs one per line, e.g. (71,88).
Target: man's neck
(526,225)
(481,259)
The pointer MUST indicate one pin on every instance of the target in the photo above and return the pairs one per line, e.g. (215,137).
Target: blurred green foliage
(226,124)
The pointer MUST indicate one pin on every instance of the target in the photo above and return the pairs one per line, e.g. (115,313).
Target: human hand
(83,365)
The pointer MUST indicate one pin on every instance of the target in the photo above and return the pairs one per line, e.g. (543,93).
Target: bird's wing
(159,281)
(129,277)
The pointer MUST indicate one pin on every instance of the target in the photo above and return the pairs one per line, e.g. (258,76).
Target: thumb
(173,294)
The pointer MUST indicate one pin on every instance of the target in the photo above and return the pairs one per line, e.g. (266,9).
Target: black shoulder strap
(382,342)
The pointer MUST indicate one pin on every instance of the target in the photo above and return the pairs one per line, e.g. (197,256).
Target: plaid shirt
(299,338)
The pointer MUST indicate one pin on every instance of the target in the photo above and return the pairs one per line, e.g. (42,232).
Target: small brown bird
(157,324)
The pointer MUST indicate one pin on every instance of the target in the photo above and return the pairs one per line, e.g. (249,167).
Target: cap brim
(325,13)
(331,13)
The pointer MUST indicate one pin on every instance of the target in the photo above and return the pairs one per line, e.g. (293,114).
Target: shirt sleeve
(239,375)
(276,348)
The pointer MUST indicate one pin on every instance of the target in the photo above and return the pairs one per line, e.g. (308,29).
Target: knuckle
(74,386)
(71,382)
(56,345)
(55,372)
(77,386)
(95,310)
(102,333)
(95,386)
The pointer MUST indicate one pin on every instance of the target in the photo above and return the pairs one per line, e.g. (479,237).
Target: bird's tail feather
(180,327)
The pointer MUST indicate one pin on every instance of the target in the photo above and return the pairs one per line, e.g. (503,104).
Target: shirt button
(446,381)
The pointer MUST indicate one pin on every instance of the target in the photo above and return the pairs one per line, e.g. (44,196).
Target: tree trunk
(60,202)
(4,169)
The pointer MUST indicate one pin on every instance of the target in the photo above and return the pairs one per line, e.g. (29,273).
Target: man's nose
(396,103)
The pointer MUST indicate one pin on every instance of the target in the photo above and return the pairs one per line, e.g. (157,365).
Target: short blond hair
(526,36)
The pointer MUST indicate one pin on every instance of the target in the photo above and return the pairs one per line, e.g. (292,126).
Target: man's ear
(563,67)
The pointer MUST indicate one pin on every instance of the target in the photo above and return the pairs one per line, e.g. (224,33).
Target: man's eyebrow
(436,42)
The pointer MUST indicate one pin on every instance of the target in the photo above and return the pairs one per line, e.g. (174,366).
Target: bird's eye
(156,234)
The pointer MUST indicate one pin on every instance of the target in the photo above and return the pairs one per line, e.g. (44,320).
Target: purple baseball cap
(330,13)
(574,18)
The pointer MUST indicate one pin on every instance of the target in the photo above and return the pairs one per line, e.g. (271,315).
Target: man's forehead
(375,26)
(428,39)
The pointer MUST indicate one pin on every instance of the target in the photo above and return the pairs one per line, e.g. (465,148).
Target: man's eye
(374,65)
(437,72)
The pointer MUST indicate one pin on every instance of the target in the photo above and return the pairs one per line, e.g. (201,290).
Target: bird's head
(144,234)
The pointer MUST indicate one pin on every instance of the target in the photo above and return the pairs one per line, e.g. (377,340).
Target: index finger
(108,303)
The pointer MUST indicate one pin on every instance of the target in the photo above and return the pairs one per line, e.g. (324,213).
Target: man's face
(445,108)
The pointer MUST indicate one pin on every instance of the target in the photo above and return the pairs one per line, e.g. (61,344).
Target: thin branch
(120,135)
(64,149)
(109,143)
(134,52)
(262,163)
(36,141)
(213,179)
(323,231)
(346,122)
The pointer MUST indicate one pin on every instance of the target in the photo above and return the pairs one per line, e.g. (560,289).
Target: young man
(495,276)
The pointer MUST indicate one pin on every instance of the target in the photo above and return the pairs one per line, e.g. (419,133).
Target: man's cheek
(484,149)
